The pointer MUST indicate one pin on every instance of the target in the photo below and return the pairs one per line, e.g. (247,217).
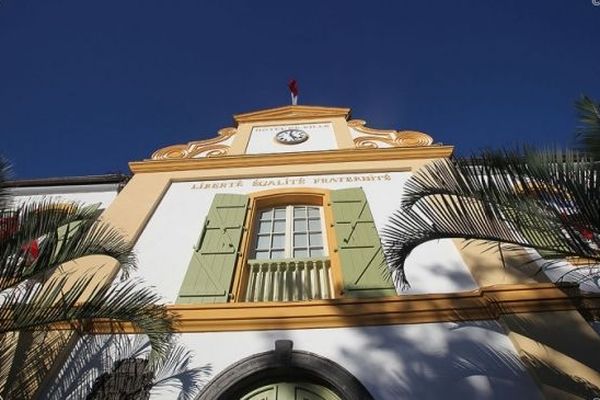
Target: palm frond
(95,356)
(35,355)
(63,234)
(175,373)
(588,131)
(540,200)
(42,289)
(5,197)
(65,299)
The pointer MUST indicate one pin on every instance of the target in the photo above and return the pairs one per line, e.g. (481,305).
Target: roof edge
(69,180)
(292,112)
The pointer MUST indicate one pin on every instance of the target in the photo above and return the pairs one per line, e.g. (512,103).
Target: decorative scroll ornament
(201,148)
(375,137)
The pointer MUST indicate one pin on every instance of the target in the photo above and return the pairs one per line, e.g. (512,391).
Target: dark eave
(120,179)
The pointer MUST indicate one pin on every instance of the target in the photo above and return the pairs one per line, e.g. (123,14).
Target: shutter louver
(210,271)
(359,247)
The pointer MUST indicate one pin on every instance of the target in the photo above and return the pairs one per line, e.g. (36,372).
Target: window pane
(266,214)
(300,240)
(314,212)
(262,242)
(279,226)
(277,254)
(300,225)
(280,213)
(318,252)
(314,225)
(275,228)
(264,227)
(298,253)
(299,212)
(278,242)
(316,239)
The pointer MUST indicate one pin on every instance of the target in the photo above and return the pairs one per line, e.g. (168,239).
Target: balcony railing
(288,280)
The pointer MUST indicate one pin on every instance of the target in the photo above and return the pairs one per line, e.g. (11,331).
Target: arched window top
(289,196)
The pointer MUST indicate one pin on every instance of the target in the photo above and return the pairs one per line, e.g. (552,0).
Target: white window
(290,232)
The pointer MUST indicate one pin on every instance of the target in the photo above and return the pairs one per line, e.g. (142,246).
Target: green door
(291,391)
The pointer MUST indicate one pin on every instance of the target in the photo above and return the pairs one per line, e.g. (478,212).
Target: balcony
(288,280)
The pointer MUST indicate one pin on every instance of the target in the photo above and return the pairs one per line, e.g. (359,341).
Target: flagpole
(293,86)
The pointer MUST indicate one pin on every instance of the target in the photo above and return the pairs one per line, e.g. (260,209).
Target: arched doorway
(285,374)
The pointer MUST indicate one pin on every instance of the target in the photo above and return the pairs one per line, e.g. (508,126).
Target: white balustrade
(288,280)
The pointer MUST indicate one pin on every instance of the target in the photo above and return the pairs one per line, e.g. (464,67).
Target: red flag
(293,85)
(32,249)
(8,227)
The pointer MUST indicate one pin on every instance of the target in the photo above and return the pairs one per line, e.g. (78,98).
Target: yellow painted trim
(291,113)
(241,139)
(372,137)
(483,304)
(342,133)
(213,147)
(315,157)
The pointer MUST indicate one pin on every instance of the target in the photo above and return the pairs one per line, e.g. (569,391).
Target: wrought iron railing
(288,280)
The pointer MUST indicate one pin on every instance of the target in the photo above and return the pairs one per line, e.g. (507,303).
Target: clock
(291,136)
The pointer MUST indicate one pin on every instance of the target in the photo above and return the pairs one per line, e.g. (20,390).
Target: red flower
(586,233)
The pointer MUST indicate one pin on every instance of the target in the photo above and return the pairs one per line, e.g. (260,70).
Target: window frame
(289,233)
(287,197)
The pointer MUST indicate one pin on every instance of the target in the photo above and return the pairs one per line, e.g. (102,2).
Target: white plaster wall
(468,360)
(563,271)
(321,137)
(166,244)
(83,194)
(427,361)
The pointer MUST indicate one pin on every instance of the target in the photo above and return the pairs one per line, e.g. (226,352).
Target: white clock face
(291,136)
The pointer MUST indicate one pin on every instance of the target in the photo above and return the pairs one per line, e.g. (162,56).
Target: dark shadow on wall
(89,369)
(458,360)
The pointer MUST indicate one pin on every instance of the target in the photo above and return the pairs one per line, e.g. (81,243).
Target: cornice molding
(212,147)
(274,159)
(484,304)
(291,113)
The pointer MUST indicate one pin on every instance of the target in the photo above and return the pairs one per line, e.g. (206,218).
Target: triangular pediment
(292,112)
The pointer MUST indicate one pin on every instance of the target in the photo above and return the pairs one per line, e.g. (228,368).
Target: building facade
(264,241)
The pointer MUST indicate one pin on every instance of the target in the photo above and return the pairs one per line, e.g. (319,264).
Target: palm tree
(588,131)
(47,304)
(100,367)
(545,200)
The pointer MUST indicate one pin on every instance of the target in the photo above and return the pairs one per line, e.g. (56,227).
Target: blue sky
(88,86)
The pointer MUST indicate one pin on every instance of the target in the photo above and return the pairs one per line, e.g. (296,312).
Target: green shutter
(359,247)
(210,272)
